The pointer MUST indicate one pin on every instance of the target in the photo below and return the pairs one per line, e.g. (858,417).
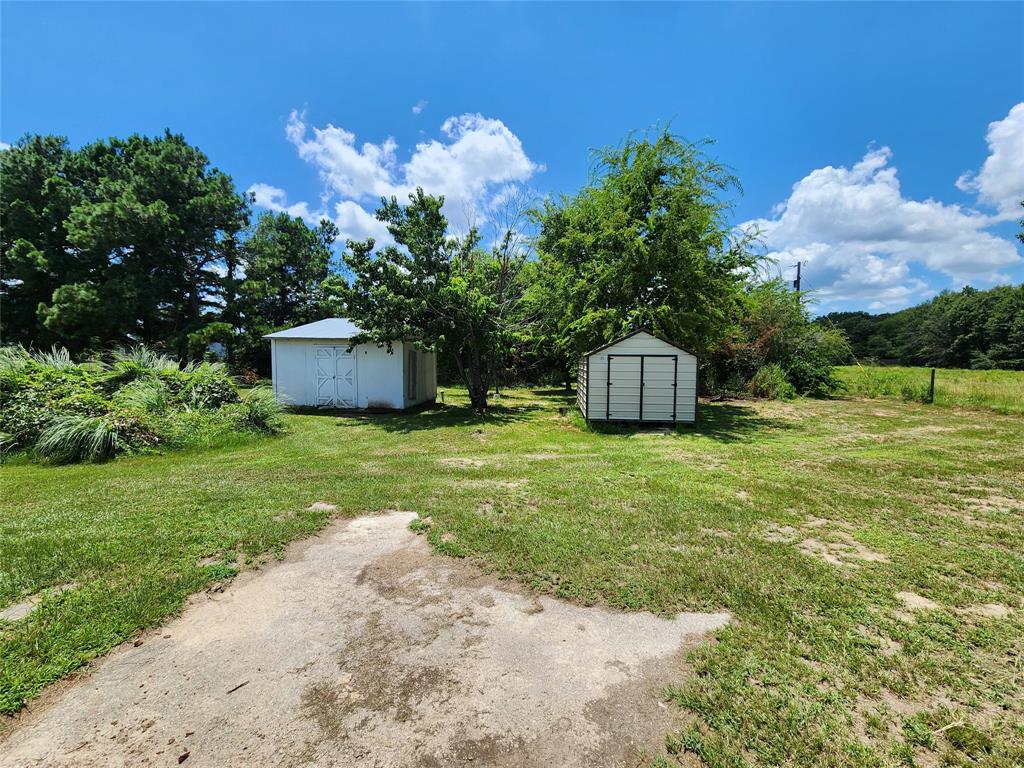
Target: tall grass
(999,390)
(76,437)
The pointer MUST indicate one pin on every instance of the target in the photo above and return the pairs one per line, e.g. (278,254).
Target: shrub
(770,381)
(148,395)
(206,385)
(57,358)
(261,410)
(23,416)
(13,360)
(75,437)
(67,411)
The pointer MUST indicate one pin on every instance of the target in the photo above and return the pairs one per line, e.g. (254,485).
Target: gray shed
(640,378)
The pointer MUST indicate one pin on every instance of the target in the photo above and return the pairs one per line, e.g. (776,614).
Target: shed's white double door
(335,377)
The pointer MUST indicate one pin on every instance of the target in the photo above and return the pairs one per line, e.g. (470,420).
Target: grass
(999,390)
(803,519)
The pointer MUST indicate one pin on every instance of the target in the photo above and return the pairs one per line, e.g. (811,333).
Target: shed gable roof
(330,328)
(630,335)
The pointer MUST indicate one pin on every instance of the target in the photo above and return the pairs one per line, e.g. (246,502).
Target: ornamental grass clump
(136,400)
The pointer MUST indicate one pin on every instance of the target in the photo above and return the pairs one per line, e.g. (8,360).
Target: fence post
(931,388)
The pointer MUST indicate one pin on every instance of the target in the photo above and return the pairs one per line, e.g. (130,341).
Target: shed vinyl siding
(581,386)
(625,390)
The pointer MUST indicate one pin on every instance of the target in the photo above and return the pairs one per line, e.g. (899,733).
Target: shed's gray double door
(641,387)
(335,377)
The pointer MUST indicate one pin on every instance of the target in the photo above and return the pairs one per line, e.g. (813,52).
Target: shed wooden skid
(638,378)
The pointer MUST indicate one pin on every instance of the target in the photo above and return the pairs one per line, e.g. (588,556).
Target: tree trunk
(477,394)
(568,381)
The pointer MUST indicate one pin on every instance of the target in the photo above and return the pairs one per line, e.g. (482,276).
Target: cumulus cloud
(419,106)
(4,145)
(1000,182)
(353,222)
(275,199)
(860,237)
(472,164)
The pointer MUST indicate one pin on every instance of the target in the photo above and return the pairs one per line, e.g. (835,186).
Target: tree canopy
(438,290)
(141,240)
(121,241)
(645,243)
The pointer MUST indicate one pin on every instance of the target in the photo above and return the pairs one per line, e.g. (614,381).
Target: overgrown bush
(62,411)
(770,381)
(775,342)
(261,410)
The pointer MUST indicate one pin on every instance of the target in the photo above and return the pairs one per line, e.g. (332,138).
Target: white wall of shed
(658,379)
(426,375)
(380,381)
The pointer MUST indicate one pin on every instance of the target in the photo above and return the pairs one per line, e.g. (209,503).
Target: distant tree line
(142,241)
(967,329)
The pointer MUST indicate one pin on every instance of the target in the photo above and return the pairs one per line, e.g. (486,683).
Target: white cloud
(419,106)
(275,199)
(351,171)
(1000,182)
(860,237)
(472,164)
(4,146)
(356,223)
(353,222)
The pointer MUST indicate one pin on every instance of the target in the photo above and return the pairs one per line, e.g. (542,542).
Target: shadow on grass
(723,422)
(729,422)
(555,392)
(437,416)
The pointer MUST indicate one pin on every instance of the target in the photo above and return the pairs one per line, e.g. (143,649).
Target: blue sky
(877,142)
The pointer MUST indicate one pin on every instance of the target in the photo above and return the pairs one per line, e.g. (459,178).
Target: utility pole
(796,283)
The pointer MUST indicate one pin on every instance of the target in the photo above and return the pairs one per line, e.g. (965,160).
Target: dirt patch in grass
(718,533)
(916,602)
(832,542)
(462,463)
(322,506)
(845,551)
(986,611)
(363,645)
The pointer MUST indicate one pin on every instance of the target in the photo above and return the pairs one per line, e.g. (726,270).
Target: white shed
(639,377)
(312,365)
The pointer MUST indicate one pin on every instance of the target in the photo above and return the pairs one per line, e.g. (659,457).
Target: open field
(1000,390)
(869,552)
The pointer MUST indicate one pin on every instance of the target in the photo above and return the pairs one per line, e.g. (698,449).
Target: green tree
(645,243)
(969,328)
(125,236)
(773,329)
(286,266)
(36,195)
(439,291)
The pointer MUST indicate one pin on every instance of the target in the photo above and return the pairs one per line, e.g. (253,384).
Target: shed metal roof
(331,328)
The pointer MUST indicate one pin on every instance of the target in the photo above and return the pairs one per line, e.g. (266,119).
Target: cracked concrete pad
(364,649)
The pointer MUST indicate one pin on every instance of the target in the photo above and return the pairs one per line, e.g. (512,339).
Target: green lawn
(1000,390)
(804,519)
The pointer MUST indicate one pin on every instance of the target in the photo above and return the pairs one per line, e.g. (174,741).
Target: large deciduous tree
(645,243)
(438,290)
